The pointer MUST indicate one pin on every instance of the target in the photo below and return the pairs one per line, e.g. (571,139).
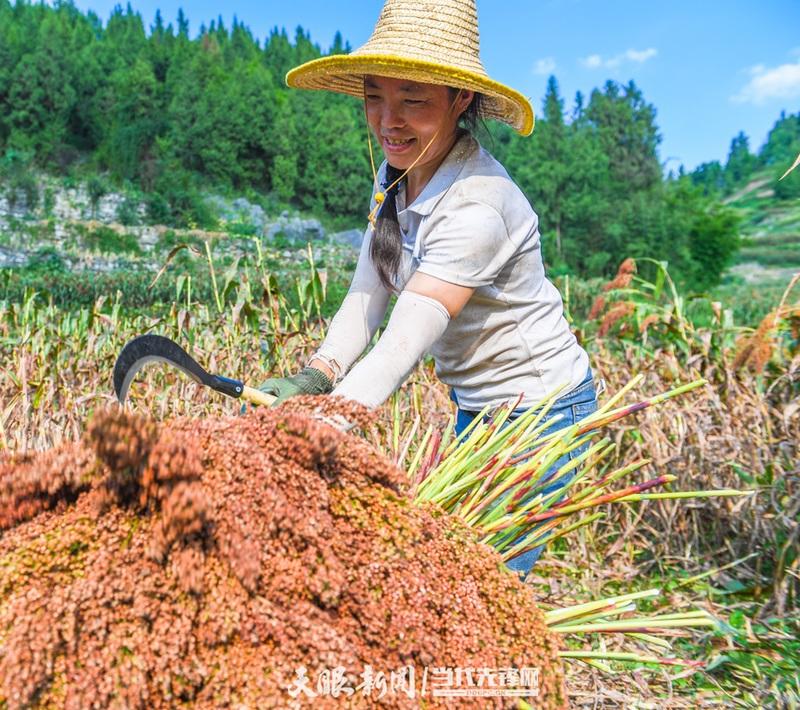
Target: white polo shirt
(472,226)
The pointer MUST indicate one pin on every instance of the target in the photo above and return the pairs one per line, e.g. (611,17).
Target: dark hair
(386,247)
(469,118)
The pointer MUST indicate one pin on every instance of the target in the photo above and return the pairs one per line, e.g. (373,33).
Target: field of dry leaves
(734,557)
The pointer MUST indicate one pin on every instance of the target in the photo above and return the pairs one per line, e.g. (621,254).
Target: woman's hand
(309,380)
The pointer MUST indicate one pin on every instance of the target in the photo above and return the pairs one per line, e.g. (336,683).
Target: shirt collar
(444,177)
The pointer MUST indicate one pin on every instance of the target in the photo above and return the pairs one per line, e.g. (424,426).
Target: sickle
(156,348)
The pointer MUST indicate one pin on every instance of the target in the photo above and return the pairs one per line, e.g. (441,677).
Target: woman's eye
(414,102)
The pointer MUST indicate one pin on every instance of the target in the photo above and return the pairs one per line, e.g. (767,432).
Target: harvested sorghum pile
(267,560)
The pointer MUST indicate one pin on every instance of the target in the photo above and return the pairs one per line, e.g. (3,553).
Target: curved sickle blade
(156,348)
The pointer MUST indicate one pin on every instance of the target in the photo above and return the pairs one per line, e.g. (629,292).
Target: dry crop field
(670,579)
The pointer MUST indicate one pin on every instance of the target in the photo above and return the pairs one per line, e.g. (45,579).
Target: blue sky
(710,67)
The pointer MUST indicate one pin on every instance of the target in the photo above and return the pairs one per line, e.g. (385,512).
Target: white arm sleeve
(358,317)
(416,323)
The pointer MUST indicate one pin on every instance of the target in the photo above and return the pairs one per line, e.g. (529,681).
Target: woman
(450,233)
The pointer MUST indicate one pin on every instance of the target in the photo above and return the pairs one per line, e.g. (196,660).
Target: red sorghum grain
(204,562)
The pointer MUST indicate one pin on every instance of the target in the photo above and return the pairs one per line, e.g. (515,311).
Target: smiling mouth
(396,142)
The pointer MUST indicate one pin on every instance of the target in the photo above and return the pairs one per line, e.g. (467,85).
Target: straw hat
(434,42)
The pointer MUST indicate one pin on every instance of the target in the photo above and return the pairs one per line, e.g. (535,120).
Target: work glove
(309,380)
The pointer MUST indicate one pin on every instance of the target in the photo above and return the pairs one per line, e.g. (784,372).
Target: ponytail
(386,248)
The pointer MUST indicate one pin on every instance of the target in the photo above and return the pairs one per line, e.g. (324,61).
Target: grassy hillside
(770,230)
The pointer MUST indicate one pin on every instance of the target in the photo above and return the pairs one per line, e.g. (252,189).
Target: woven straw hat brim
(344,73)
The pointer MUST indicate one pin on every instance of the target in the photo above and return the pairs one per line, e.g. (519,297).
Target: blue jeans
(573,406)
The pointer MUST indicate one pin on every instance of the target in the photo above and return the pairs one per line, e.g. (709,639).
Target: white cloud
(593,61)
(781,82)
(637,56)
(547,65)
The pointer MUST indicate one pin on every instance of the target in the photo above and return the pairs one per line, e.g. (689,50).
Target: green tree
(783,142)
(124,39)
(709,177)
(242,46)
(41,94)
(339,46)
(133,106)
(714,242)
(551,168)
(278,55)
(183,24)
(335,177)
(233,125)
(741,162)
(284,172)
(187,80)
(626,127)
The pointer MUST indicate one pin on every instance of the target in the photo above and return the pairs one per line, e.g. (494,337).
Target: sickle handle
(257,396)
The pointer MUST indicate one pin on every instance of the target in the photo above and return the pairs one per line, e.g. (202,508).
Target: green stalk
(602,417)
(633,657)
(650,640)
(603,614)
(708,573)
(519,519)
(693,614)
(500,491)
(465,435)
(395,423)
(505,539)
(217,298)
(617,396)
(407,442)
(687,616)
(414,464)
(624,494)
(609,478)
(259,253)
(558,615)
(435,480)
(547,539)
(448,480)
(722,492)
(540,464)
(644,624)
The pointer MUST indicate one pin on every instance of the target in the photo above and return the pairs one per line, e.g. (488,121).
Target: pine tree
(627,131)
(278,54)
(551,170)
(741,162)
(41,94)
(783,142)
(338,46)
(183,24)
(710,177)
(284,172)
(587,208)
(304,49)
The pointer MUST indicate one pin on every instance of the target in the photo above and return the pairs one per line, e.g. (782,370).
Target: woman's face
(405,115)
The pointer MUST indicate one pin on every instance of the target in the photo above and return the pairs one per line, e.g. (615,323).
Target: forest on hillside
(173,115)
